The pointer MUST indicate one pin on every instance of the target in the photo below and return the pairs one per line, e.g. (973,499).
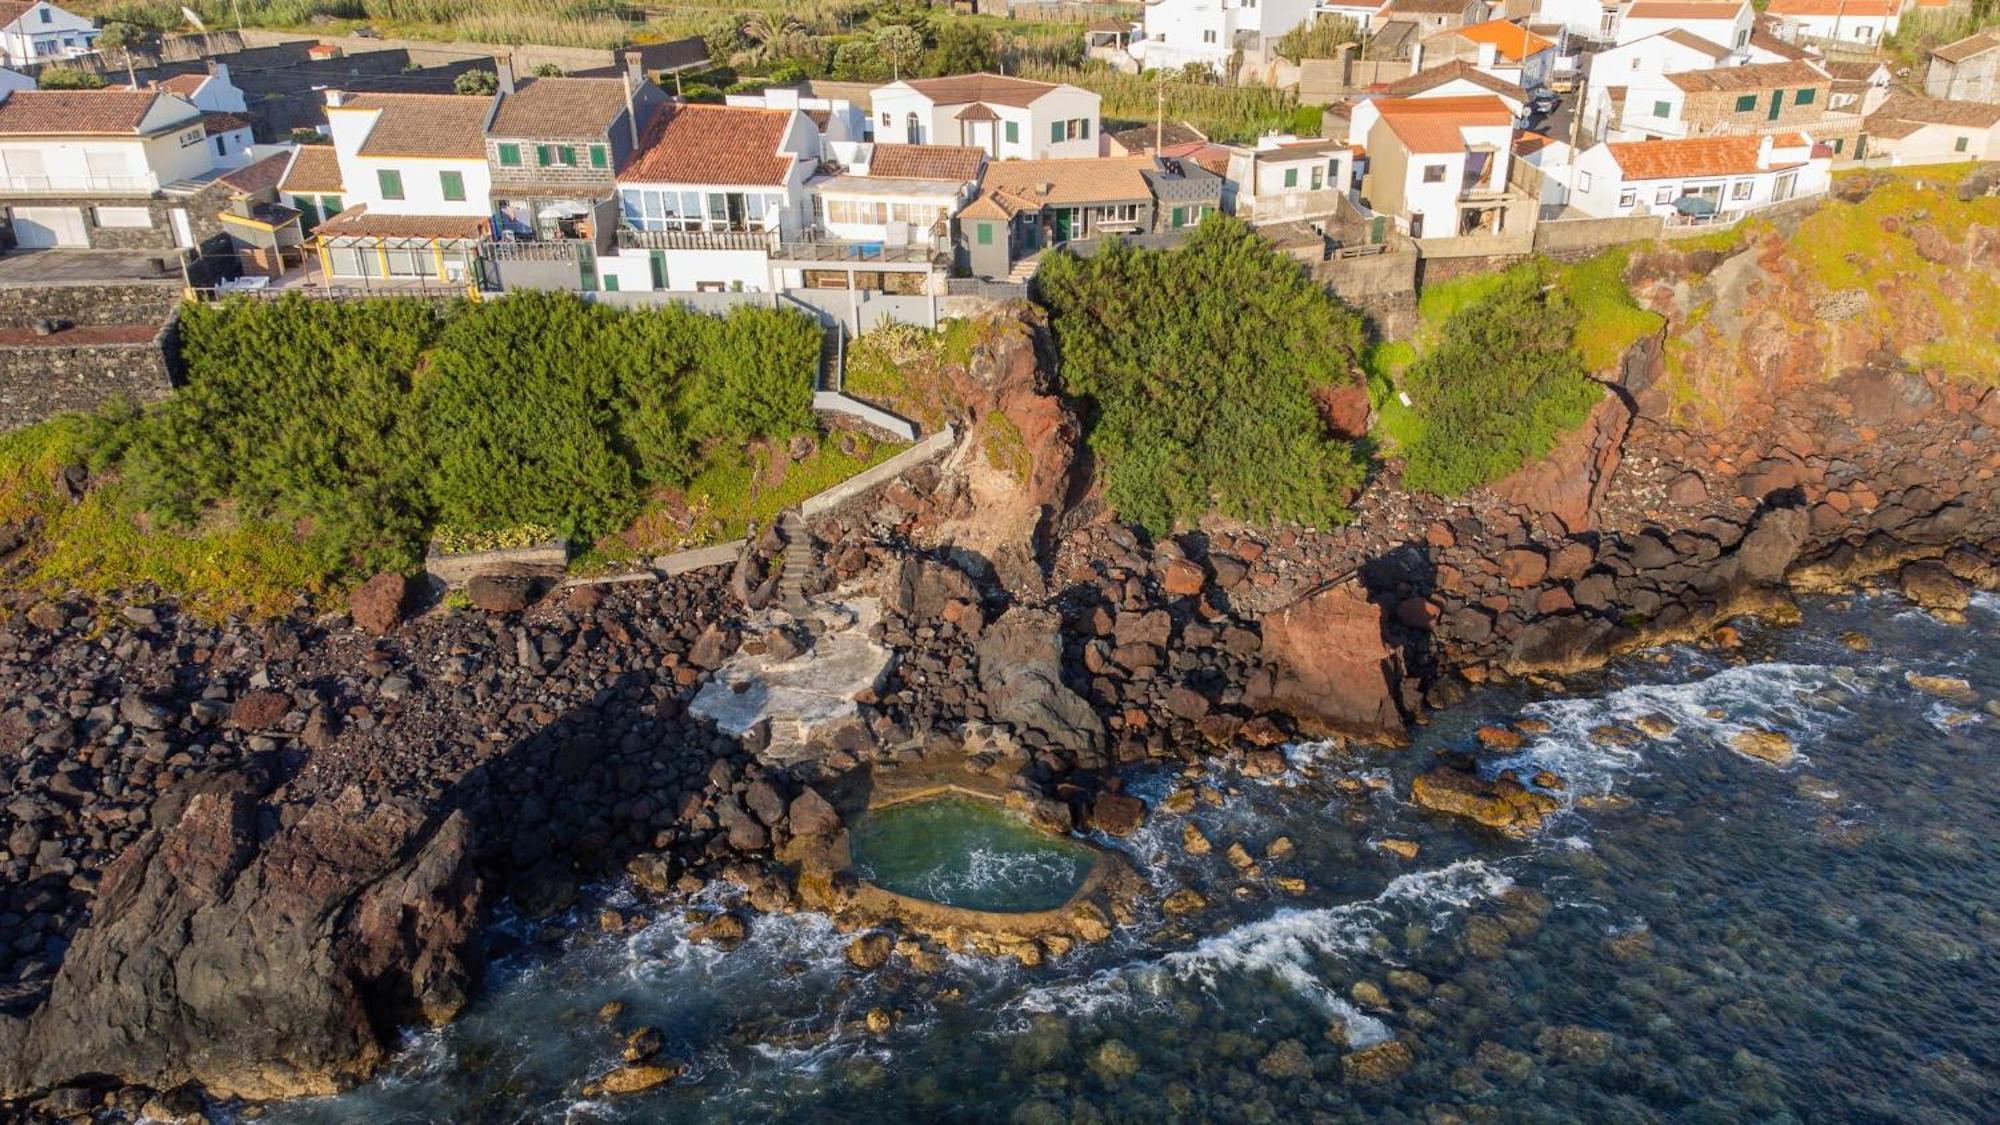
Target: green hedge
(1200,365)
(1499,385)
(369,423)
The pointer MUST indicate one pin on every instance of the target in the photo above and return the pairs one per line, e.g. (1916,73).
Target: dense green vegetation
(1499,383)
(1199,366)
(340,435)
(1608,320)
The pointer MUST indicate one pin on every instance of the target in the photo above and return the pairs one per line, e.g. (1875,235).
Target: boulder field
(235,857)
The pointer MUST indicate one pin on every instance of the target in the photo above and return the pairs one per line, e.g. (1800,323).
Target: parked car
(1543,102)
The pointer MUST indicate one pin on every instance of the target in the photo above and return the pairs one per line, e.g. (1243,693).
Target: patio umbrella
(1694,205)
(564,210)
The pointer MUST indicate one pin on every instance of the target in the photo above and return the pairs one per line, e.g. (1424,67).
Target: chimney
(504,69)
(1488,53)
(634,74)
(1764,151)
(336,98)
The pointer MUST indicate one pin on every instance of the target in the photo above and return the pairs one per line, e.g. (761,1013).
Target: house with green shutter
(554,150)
(1005,117)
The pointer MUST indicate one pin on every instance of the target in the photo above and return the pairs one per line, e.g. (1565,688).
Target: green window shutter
(510,156)
(1960,145)
(611,283)
(1805,96)
(453,186)
(1013,132)
(390,181)
(542,156)
(1746,104)
(1055,132)
(329,205)
(1663,109)
(984,232)
(1083,127)
(1291,177)
(599,157)
(308,211)
(659,263)
(576,155)
(1179,218)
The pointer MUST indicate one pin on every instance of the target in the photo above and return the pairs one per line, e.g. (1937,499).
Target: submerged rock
(637,1078)
(1372,1066)
(1771,746)
(1503,803)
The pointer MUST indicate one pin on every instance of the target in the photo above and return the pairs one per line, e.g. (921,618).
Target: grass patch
(1399,425)
(1608,320)
(732,489)
(1006,449)
(906,370)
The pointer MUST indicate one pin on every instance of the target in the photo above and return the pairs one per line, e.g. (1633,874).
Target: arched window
(911,130)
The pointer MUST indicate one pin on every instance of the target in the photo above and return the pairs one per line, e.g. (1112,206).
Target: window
(329,205)
(1055,132)
(1636,60)
(1746,103)
(308,211)
(1433,173)
(611,283)
(1291,177)
(1663,109)
(1961,144)
(1740,190)
(453,186)
(1838,144)
(885,119)
(48,16)
(390,181)
(542,156)
(1804,97)
(1013,132)
(510,156)
(131,217)
(1628,197)
(222,146)
(984,233)
(600,157)
(1664,196)
(1319,177)
(1178,218)
(912,129)
(1208,36)
(1583,181)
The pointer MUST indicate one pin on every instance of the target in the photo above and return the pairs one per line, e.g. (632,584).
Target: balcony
(1289,206)
(816,247)
(552,250)
(79,185)
(630,239)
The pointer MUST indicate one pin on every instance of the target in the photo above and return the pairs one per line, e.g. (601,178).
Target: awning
(1694,205)
(564,210)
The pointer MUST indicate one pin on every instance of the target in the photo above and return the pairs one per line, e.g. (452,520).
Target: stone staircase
(1024,270)
(798,568)
(832,357)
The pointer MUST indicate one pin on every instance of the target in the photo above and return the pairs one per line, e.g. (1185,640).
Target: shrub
(476,82)
(1200,366)
(69,78)
(1497,388)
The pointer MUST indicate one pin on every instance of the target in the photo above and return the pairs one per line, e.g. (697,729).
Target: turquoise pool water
(968,853)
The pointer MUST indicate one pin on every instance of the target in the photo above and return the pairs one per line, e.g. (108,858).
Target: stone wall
(202,208)
(39,380)
(136,303)
(1566,239)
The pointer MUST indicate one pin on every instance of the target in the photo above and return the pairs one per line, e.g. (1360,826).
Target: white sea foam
(1948,718)
(1288,946)
(1793,698)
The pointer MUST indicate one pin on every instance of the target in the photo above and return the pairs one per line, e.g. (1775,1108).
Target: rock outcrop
(1020,678)
(1330,664)
(1569,483)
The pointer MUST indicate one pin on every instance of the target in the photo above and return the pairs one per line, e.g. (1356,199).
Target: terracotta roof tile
(1682,10)
(1426,7)
(1025,185)
(315,168)
(1933,111)
(999,89)
(713,144)
(447,126)
(1431,78)
(560,107)
(1755,76)
(72,113)
(213,123)
(183,84)
(1764,41)
(925,162)
(1510,41)
(1695,42)
(1699,156)
(11,10)
(259,175)
(1968,47)
(1434,125)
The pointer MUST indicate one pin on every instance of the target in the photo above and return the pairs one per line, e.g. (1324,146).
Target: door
(183,230)
(1783,186)
(38,228)
(1417,224)
(738,211)
(1063,223)
(1777,103)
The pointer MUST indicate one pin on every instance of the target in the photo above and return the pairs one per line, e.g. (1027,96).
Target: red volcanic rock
(377,604)
(1345,410)
(1182,578)
(1331,667)
(1571,480)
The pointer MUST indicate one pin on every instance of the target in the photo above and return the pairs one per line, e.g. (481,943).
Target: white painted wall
(1848,27)
(1937,144)
(1733,33)
(45,32)
(749,270)
(113,164)
(1603,192)
(423,188)
(1030,139)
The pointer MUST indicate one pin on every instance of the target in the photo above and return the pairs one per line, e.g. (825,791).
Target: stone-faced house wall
(120,343)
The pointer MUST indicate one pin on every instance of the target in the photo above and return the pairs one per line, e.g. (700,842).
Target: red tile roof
(713,144)
(1698,156)
(1433,77)
(1510,41)
(1755,76)
(1434,125)
(1695,42)
(315,168)
(1968,47)
(70,113)
(447,126)
(1910,109)
(999,89)
(1683,10)
(258,176)
(183,84)
(11,10)
(560,107)
(925,162)
(213,123)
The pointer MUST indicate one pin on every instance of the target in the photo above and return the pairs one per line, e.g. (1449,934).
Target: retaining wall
(887,471)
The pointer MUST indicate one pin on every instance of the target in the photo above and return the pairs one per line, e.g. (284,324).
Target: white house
(36,32)
(1438,166)
(1008,118)
(897,195)
(1718,21)
(211,90)
(1178,32)
(414,178)
(1859,85)
(1727,175)
(1507,51)
(1851,21)
(1907,129)
(1632,72)
(842,123)
(709,189)
(1452,80)
(1595,20)
(1290,179)
(118,146)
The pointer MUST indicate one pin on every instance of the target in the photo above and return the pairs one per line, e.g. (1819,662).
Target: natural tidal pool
(968,853)
(1697,936)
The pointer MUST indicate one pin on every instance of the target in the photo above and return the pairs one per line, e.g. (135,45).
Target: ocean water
(1695,936)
